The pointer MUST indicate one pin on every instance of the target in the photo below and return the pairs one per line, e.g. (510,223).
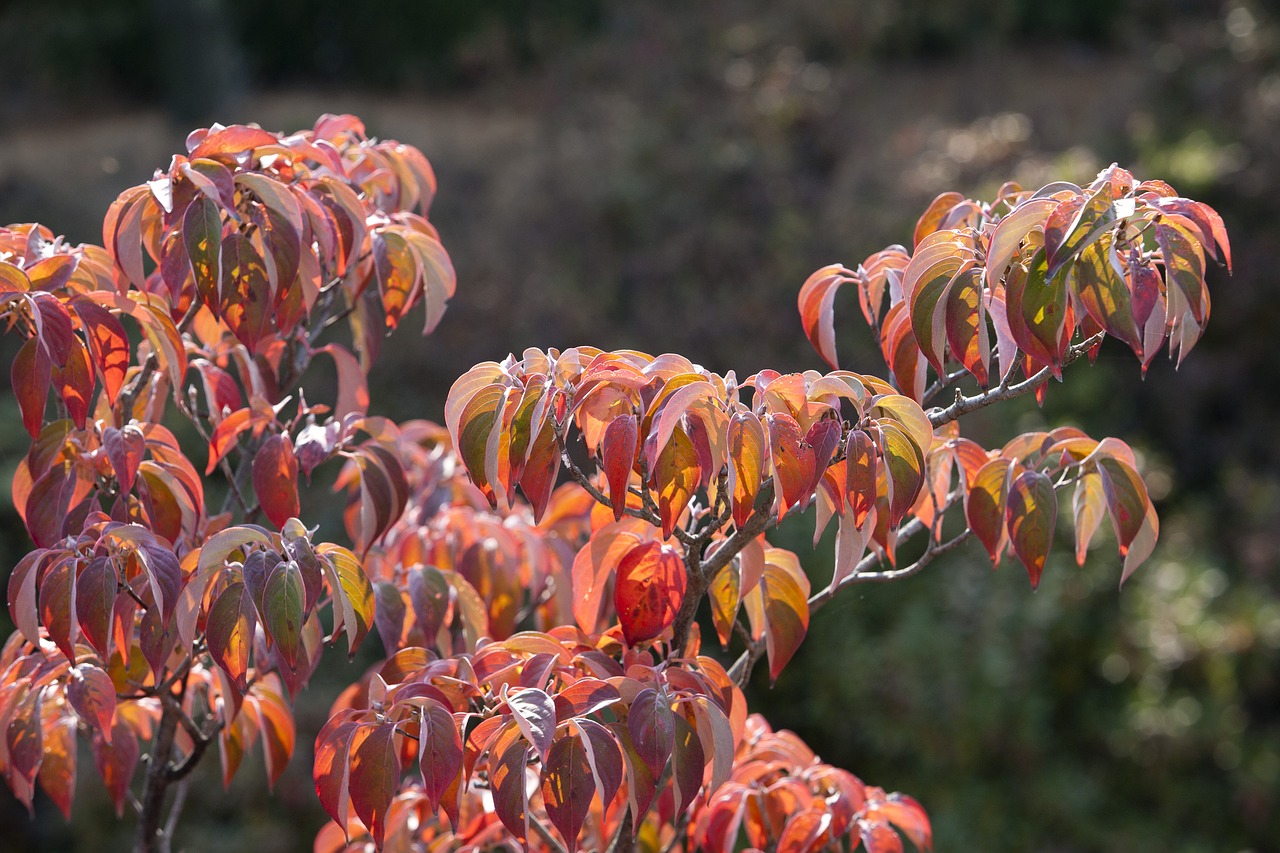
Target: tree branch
(547,835)
(964,405)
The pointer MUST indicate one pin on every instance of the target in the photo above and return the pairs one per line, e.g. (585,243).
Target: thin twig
(175,811)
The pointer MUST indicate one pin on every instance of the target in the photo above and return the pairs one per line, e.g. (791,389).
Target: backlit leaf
(275,479)
(567,788)
(374,776)
(93,696)
(651,724)
(617,456)
(1031,512)
(746,464)
(649,590)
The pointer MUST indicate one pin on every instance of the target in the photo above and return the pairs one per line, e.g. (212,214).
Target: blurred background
(664,176)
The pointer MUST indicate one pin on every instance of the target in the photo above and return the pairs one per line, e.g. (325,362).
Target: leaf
(938,260)
(331,768)
(792,462)
(567,788)
(58,765)
(746,464)
(910,817)
(604,758)
(351,588)
(275,479)
(933,214)
(879,837)
(687,763)
(675,476)
(1031,513)
(1037,310)
(93,696)
(817,312)
(116,757)
(229,632)
(617,457)
(398,279)
(535,713)
(593,566)
(904,469)
(283,612)
(966,323)
(225,144)
(1087,506)
(1127,499)
(984,506)
(124,449)
(1097,279)
(95,594)
(246,298)
(649,590)
(510,794)
(353,385)
(57,606)
(439,751)
(30,377)
(1143,543)
(374,776)
(202,238)
(108,344)
(651,724)
(778,609)
(1073,225)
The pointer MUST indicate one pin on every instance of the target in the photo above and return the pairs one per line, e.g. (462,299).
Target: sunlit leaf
(1031,512)
(649,590)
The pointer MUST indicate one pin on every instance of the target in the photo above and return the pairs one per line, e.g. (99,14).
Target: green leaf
(1031,513)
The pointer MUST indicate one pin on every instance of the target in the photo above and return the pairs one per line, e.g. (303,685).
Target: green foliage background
(664,176)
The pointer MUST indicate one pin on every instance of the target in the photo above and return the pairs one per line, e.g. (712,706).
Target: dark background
(664,176)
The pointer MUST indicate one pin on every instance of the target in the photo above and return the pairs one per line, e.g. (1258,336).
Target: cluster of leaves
(544,684)
(144,614)
(1033,269)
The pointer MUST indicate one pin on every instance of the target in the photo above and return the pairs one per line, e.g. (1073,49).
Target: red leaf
(879,837)
(817,314)
(909,816)
(593,567)
(649,590)
(93,696)
(792,462)
(116,757)
(984,506)
(652,727)
(618,456)
(353,385)
(567,788)
(275,479)
(439,751)
(246,299)
(374,776)
(510,794)
(30,376)
(125,448)
(95,595)
(229,142)
(58,766)
(108,344)
(687,763)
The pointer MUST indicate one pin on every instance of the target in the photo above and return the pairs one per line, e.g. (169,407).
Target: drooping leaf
(816,304)
(649,590)
(746,441)
(283,611)
(275,479)
(374,775)
(617,456)
(229,632)
(439,751)
(984,506)
(651,724)
(687,763)
(93,696)
(1031,512)
(593,566)
(202,238)
(567,788)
